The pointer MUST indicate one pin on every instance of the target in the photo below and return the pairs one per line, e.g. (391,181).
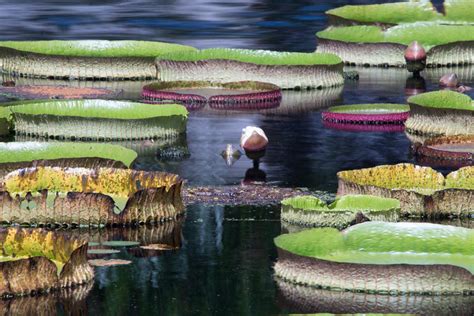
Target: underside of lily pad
(446,45)
(459,148)
(347,210)
(284,69)
(38,261)
(379,257)
(99,119)
(306,300)
(441,113)
(421,191)
(89,197)
(55,92)
(228,96)
(18,155)
(84,59)
(367,114)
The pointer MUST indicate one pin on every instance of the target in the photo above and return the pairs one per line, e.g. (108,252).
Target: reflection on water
(304,299)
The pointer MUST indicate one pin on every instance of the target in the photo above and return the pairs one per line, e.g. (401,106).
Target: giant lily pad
(39,260)
(17,155)
(441,113)
(367,114)
(80,196)
(86,59)
(227,96)
(421,190)
(379,257)
(346,210)
(99,119)
(55,92)
(284,69)
(446,45)
(385,14)
(447,150)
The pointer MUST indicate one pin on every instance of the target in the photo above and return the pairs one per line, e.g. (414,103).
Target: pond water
(225,264)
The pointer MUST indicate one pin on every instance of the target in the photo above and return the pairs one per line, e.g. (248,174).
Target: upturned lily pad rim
(351,202)
(95,108)
(383,243)
(238,85)
(428,34)
(97,48)
(382,107)
(454,180)
(444,99)
(13,152)
(259,57)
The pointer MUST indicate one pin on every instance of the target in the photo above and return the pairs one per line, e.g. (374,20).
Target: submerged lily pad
(80,196)
(372,45)
(421,191)
(441,113)
(284,69)
(84,59)
(423,258)
(367,113)
(194,95)
(346,210)
(99,119)
(39,260)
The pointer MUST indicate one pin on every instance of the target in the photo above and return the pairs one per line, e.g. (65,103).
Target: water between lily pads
(224,266)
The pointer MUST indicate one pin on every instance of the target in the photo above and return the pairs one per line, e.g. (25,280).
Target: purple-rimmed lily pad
(243,95)
(367,114)
(350,127)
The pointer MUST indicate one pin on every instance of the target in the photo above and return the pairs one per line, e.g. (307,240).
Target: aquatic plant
(441,113)
(380,257)
(284,69)
(345,211)
(55,92)
(99,119)
(17,155)
(459,148)
(84,59)
(228,96)
(37,260)
(421,191)
(386,14)
(5,121)
(80,196)
(446,45)
(367,113)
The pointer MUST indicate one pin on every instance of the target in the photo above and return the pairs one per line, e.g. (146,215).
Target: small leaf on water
(108,263)
(120,243)
(159,247)
(102,251)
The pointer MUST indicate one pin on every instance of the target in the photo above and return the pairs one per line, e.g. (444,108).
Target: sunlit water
(225,264)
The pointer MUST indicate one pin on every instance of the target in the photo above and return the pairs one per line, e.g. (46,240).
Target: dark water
(225,264)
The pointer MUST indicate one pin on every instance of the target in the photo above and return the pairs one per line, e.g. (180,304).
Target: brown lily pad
(54,92)
(108,262)
(159,247)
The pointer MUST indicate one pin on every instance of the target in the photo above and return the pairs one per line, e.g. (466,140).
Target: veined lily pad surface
(227,96)
(346,210)
(284,69)
(446,45)
(421,191)
(99,119)
(39,260)
(79,196)
(16,155)
(441,113)
(367,114)
(86,59)
(378,257)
